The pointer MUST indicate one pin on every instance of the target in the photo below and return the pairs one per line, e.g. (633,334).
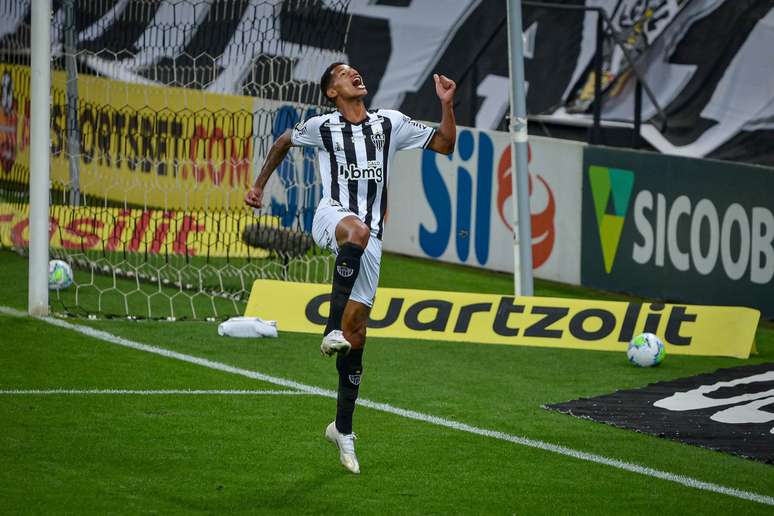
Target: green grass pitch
(265,453)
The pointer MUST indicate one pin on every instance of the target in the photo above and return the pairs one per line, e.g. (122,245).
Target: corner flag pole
(40,143)
(522,230)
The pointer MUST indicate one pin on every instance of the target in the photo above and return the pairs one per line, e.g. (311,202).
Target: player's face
(346,84)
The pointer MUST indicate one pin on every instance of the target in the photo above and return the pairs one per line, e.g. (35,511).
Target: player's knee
(359,234)
(352,230)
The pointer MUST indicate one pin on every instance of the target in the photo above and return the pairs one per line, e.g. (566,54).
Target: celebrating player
(355,153)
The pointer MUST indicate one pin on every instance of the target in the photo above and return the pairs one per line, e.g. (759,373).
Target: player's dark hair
(325,80)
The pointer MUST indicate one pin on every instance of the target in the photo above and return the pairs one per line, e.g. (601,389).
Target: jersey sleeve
(307,134)
(410,134)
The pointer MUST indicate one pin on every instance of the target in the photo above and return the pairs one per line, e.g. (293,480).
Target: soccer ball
(60,275)
(646,350)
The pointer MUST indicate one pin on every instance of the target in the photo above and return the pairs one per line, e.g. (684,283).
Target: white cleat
(334,343)
(346,446)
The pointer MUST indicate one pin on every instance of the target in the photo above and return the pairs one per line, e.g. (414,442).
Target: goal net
(161,113)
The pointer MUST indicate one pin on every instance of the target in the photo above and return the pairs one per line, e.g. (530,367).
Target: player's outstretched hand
(444,87)
(254,197)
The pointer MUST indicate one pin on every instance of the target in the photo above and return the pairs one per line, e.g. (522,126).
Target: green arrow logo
(611,189)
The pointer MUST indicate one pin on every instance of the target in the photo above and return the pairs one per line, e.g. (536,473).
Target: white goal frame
(40,144)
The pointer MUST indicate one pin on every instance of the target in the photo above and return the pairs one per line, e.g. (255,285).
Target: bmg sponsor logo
(372,172)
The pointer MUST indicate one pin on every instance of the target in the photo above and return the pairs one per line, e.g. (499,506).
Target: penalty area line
(410,414)
(159,392)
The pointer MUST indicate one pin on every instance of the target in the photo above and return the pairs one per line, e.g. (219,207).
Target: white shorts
(328,215)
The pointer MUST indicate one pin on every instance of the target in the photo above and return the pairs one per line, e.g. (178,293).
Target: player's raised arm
(276,154)
(446,135)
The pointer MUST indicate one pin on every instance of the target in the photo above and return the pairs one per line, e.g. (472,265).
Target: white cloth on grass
(247,327)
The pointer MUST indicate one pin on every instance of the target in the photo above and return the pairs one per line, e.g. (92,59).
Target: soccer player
(355,152)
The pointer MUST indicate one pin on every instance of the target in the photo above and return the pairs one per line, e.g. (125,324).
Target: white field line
(87,392)
(411,414)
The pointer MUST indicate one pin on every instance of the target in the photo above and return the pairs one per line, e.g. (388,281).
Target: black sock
(344,275)
(350,367)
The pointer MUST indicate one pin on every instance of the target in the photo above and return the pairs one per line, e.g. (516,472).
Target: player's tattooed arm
(446,135)
(276,154)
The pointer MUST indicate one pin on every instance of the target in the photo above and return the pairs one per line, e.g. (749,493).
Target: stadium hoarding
(459,208)
(152,232)
(702,60)
(152,146)
(696,231)
(164,148)
(522,321)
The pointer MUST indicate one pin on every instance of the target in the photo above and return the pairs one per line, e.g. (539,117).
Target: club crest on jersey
(372,172)
(378,141)
(354,379)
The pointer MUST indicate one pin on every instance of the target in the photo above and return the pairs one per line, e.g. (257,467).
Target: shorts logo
(378,141)
(372,172)
(344,271)
(337,205)
(354,379)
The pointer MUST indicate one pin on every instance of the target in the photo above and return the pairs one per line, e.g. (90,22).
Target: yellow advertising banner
(190,233)
(520,321)
(145,145)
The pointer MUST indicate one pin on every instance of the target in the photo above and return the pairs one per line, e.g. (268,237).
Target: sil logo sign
(483,190)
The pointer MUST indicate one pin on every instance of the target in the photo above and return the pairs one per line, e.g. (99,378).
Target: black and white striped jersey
(355,160)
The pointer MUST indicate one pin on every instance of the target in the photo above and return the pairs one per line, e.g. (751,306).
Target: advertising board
(458,208)
(691,230)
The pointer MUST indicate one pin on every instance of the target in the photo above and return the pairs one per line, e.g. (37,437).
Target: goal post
(40,79)
(130,131)
(522,234)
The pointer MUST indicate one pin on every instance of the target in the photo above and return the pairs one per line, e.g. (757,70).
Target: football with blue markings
(646,350)
(60,275)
